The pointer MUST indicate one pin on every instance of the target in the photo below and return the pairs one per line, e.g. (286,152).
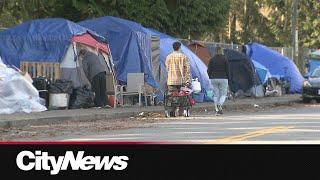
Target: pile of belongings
(17,94)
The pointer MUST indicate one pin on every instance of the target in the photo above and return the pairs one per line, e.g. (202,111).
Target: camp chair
(135,86)
(112,88)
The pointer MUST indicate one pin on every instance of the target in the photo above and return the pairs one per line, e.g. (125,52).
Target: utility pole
(294,31)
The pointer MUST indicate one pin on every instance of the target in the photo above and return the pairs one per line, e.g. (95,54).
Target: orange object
(111,100)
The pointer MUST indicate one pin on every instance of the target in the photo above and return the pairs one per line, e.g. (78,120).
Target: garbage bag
(81,98)
(61,86)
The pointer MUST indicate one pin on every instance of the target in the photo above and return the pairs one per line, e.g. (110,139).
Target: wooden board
(44,69)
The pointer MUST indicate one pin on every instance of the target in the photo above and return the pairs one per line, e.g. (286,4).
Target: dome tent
(129,43)
(277,64)
(243,74)
(314,61)
(52,40)
(201,51)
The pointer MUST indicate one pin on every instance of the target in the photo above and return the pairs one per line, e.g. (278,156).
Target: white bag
(17,94)
(196,86)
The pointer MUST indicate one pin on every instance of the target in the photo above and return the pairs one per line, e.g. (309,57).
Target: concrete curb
(130,112)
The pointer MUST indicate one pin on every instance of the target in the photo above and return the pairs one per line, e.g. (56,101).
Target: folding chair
(135,86)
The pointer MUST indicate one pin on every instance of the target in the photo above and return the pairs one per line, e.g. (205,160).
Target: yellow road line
(252,134)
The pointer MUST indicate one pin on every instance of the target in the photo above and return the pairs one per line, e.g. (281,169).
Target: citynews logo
(42,161)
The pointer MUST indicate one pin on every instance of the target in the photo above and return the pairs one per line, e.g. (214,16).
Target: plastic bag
(81,98)
(17,94)
(196,86)
(61,86)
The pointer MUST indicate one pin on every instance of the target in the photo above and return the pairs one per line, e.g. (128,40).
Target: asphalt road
(293,124)
(298,124)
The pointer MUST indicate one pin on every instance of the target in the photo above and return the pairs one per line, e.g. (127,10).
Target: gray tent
(159,71)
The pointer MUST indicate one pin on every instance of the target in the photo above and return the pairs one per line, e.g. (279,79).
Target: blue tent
(39,40)
(198,68)
(129,43)
(277,64)
(313,64)
(262,71)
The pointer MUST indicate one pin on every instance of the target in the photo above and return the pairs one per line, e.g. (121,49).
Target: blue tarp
(129,43)
(277,64)
(39,40)
(262,71)
(198,68)
(313,64)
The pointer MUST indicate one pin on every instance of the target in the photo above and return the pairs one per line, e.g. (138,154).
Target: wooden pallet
(44,69)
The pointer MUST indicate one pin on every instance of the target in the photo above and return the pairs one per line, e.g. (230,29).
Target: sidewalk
(57,116)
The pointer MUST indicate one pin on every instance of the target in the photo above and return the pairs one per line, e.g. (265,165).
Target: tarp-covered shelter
(198,68)
(53,40)
(314,61)
(277,64)
(313,64)
(242,72)
(131,46)
(201,51)
(262,72)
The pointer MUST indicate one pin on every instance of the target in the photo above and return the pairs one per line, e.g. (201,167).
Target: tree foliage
(308,22)
(179,18)
(228,20)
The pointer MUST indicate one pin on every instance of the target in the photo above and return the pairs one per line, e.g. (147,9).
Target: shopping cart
(178,103)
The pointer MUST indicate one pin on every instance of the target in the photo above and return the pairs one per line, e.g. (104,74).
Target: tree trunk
(233,28)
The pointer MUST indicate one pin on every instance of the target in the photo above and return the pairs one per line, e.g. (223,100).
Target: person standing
(95,69)
(178,68)
(218,72)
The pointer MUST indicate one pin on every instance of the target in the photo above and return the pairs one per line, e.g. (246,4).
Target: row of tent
(253,65)
(129,47)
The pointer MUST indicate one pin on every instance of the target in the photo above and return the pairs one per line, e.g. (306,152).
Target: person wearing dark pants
(178,68)
(95,69)
(99,87)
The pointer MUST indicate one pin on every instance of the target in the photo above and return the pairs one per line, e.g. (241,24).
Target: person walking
(218,72)
(178,68)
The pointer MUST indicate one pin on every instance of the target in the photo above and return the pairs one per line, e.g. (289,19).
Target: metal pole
(294,31)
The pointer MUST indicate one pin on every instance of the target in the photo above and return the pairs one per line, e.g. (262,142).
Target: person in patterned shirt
(178,68)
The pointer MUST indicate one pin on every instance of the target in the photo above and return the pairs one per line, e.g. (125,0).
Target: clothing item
(99,88)
(220,90)
(178,68)
(93,64)
(218,67)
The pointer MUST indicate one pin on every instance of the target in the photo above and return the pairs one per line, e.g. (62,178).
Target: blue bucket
(198,97)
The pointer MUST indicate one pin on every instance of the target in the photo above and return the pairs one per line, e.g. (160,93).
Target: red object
(87,39)
(192,101)
(179,93)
